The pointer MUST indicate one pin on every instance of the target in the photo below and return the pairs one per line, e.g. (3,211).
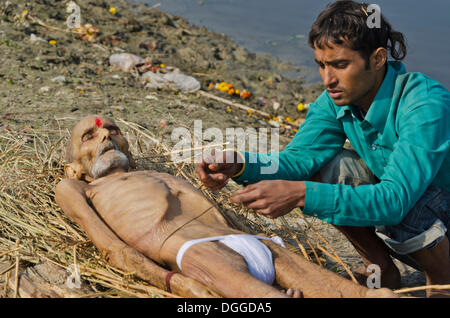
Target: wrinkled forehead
(89,123)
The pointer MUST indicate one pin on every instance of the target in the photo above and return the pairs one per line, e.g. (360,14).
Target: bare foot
(294,294)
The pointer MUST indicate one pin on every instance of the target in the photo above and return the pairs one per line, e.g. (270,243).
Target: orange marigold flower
(245,94)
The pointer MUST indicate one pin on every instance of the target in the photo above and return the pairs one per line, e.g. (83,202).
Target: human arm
(419,153)
(318,140)
(274,194)
(272,198)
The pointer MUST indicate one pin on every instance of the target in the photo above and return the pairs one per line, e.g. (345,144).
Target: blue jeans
(424,226)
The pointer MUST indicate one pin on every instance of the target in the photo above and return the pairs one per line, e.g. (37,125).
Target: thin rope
(170,235)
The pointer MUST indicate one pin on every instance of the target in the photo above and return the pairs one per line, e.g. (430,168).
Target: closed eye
(88,135)
(113,130)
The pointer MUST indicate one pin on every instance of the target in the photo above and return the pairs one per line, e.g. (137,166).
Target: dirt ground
(54,82)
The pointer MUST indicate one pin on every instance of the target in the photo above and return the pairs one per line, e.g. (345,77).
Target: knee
(347,168)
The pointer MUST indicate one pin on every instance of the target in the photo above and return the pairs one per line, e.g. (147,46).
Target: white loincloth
(256,254)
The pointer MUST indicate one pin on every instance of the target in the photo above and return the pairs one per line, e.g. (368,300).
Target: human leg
(435,263)
(348,168)
(372,251)
(294,271)
(423,238)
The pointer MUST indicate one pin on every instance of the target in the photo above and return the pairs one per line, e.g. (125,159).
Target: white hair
(108,161)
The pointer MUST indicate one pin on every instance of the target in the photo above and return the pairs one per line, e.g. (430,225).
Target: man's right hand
(215,173)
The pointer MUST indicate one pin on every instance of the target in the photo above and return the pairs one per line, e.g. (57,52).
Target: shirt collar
(379,109)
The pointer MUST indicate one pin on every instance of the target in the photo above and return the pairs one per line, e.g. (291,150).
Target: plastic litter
(125,61)
(34,38)
(159,77)
(171,80)
(276,105)
(59,79)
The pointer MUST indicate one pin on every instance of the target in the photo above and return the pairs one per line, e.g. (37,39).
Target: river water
(281,27)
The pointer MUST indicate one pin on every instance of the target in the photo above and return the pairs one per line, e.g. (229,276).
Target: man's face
(344,73)
(99,146)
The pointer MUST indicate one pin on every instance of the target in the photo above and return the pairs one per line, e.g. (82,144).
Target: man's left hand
(272,198)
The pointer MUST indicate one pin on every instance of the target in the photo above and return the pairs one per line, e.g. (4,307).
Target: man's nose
(104,134)
(329,78)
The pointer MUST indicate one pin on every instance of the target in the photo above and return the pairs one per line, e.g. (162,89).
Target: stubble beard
(108,161)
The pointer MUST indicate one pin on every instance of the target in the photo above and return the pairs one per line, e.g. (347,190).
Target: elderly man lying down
(155,224)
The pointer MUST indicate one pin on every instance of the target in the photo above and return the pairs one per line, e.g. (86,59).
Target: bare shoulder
(71,185)
(70,193)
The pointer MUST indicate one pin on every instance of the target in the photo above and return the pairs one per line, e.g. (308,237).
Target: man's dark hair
(345,22)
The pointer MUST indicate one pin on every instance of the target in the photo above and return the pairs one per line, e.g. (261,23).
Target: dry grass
(33,228)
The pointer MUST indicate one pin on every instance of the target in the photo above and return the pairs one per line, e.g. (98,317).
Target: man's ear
(74,170)
(379,58)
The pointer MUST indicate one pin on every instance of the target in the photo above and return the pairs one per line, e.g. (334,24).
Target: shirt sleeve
(422,147)
(318,140)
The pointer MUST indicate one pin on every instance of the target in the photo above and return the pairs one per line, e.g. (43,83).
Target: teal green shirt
(404,139)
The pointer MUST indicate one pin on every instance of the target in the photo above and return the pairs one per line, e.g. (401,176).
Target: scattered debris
(163,123)
(151,97)
(275,105)
(59,79)
(34,38)
(171,80)
(302,107)
(125,61)
(45,89)
(87,32)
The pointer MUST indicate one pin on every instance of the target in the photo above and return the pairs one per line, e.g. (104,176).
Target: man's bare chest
(130,197)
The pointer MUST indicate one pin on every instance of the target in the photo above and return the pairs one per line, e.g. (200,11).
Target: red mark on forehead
(98,122)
